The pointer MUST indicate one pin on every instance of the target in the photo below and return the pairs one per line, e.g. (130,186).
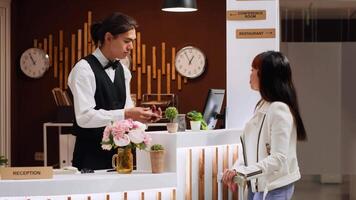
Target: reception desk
(193,161)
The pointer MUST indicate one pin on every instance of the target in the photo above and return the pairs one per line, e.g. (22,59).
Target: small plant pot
(157,161)
(195,125)
(172,127)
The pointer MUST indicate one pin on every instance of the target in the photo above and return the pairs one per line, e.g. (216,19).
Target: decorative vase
(172,127)
(157,161)
(195,125)
(123,161)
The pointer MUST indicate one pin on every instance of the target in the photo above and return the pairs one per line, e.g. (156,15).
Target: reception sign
(20,173)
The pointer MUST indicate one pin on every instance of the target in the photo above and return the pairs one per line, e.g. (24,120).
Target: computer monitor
(213,106)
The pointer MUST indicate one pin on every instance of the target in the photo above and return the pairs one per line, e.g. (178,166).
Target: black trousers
(88,154)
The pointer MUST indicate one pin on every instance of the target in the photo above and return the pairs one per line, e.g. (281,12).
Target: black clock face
(34,62)
(190,62)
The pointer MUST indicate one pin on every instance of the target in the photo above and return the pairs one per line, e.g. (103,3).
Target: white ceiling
(319,9)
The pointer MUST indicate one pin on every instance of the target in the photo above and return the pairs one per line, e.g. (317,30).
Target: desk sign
(241,15)
(255,33)
(20,173)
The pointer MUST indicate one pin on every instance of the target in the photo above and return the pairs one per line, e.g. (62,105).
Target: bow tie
(113,64)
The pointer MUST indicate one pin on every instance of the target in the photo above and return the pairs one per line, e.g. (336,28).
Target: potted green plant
(196,121)
(3,161)
(157,158)
(171,113)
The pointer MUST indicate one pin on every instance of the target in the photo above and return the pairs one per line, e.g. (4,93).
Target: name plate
(20,173)
(246,15)
(255,33)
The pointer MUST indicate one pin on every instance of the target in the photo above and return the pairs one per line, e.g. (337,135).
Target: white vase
(195,125)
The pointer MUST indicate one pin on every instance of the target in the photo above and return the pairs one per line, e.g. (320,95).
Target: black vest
(108,95)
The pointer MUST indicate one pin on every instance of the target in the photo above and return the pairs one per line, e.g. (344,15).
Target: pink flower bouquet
(125,133)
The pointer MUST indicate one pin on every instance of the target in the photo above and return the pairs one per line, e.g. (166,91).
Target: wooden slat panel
(66,66)
(55,62)
(154,63)
(225,166)
(72,60)
(138,44)
(89,34)
(79,53)
(139,83)
(174,194)
(85,39)
(149,79)
(159,196)
(188,176)
(168,78)
(234,159)
(163,56)
(159,82)
(61,45)
(50,49)
(179,82)
(201,189)
(142,196)
(134,56)
(143,59)
(173,63)
(45,45)
(35,43)
(214,174)
(61,75)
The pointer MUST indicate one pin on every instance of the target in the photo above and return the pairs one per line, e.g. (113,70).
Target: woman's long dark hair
(275,84)
(115,24)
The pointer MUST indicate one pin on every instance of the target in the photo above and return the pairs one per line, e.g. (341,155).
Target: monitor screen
(213,106)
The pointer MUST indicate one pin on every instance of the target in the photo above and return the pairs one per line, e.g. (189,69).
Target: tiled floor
(311,189)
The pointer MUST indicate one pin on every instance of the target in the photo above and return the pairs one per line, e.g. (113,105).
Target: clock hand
(190,61)
(185,53)
(33,61)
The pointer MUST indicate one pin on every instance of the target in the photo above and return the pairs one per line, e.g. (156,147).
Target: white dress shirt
(81,82)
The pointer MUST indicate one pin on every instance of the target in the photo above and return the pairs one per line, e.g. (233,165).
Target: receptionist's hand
(157,113)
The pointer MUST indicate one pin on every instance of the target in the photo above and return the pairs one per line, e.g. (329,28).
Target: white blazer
(271,132)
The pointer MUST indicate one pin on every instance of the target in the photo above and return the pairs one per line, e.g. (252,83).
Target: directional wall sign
(241,15)
(255,33)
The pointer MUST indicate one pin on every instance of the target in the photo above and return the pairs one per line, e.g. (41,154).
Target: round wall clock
(190,62)
(34,62)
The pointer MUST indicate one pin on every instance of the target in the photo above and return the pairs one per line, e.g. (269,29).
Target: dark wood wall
(32,102)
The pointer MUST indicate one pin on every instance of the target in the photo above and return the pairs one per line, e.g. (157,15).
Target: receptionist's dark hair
(275,84)
(115,24)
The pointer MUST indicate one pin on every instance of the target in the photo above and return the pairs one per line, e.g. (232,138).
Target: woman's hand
(227,179)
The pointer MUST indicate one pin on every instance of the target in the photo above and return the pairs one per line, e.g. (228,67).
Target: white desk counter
(98,182)
(197,157)
(193,161)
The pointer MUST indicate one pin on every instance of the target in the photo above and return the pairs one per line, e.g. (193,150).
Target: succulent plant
(3,160)
(157,147)
(197,116)
(171,113)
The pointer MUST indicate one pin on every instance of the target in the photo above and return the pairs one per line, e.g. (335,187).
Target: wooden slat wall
(81,44)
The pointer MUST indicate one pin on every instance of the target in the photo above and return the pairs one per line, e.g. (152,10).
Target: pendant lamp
(179,5)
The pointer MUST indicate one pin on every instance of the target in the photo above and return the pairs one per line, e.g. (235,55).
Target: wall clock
(190,62)
(34,62)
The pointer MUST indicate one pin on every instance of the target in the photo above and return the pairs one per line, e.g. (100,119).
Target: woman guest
(270,137)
